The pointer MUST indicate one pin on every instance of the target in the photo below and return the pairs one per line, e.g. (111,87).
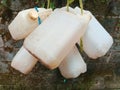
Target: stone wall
(103,73)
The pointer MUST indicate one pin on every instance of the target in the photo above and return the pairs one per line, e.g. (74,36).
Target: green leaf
(43,5)
(4,2)
(70,1)
(52,5)
(37,1)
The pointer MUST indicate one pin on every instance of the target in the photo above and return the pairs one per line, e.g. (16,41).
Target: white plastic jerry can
(54,38)
(73,65)
(23,61)
(26,21)
(96,41)
(21,65)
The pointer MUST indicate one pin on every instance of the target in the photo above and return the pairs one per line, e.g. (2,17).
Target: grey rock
(109,24)
(16,5)
(116,8)
(115,57)
(3,68)
(1,42)
(9,55)
(3,27)
(98,84)
(2,54)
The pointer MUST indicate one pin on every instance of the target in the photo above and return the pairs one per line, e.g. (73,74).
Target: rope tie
(39,20)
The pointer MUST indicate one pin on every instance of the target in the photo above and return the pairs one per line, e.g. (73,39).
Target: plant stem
(81,6)
(67,5)
(48,4)
(81,45)
(81,42)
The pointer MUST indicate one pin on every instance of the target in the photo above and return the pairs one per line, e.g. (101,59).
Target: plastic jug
(26,21)
(56,36)
(73,65)
(23,61)
(96,41)
(20,65)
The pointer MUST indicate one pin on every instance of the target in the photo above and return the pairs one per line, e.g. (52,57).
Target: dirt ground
(102,74)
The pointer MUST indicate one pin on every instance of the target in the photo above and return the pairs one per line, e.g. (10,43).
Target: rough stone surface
(3,67)
(1,42)
(102,74)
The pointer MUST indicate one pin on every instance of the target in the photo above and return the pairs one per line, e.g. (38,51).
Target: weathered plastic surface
(28,69)
(96,41)
(73,65)
(23,24)
(23,61)
(71,10)
(55,37)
